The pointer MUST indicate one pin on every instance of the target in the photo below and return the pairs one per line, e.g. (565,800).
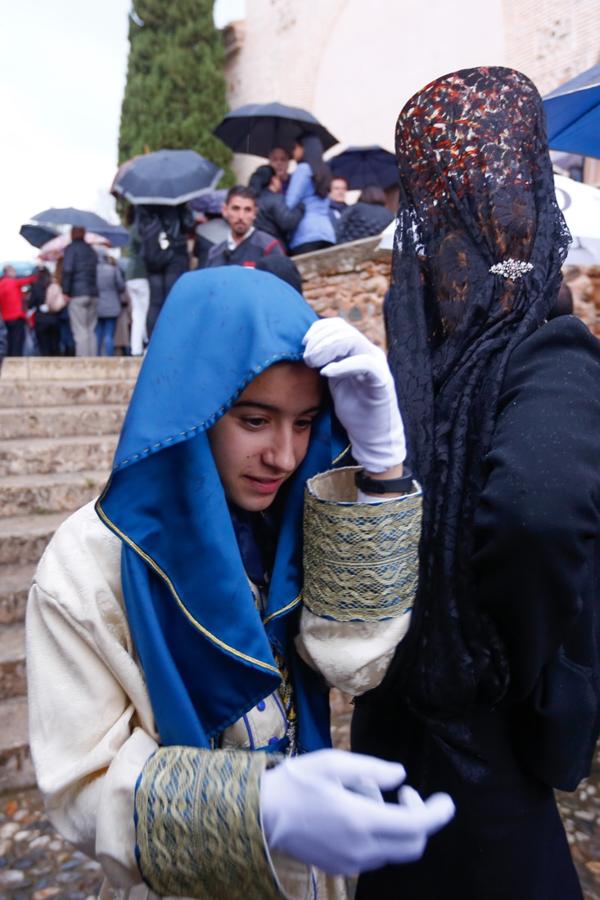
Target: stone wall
(584,284)
(351,281)
(551,40)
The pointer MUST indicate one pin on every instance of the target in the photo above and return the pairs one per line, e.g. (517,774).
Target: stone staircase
(59,423)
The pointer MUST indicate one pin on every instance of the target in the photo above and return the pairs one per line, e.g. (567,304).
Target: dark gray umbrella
(58,218)
(37,235)
(364,166)
(259,127)
(166,177)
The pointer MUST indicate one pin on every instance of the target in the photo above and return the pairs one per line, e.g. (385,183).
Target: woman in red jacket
(11,308)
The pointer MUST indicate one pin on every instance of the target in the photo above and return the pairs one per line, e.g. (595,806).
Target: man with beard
(245,244)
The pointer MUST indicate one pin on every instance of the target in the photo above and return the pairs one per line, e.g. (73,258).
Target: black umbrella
(167,177)
(573,114)
(58,218)
(259,127)
(37,235)
(363,166)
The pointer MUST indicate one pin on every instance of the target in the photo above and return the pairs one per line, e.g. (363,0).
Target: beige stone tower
(353,63)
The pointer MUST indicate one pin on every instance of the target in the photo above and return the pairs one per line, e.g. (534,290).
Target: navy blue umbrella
(37,235)
(57,218)
(166,177)
(573,113)
(211,202)
(364,166)
(259,127)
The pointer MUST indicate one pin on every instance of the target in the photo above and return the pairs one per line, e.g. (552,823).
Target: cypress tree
(175,91)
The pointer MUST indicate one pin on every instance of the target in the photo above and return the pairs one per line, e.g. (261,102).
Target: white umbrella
(580,204)
(55,249)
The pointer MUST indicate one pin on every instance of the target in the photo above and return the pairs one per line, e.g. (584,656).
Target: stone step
(23,539)
(16,769)
(60,368)
(31,456)
(40,494)
(60,420)
(30,392)
(12,661)
(14,587)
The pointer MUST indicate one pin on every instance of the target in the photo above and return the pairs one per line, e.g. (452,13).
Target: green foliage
(175,91)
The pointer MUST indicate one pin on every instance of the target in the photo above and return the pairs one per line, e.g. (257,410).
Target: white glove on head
(362,389)
(325,809)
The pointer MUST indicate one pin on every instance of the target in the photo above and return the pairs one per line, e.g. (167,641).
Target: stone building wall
(551,40)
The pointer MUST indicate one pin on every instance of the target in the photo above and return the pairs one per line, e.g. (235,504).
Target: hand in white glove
(363,392)
(325,809)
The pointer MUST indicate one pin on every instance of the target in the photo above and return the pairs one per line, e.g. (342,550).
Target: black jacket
(79,270)
(274,217)
(248,251)
(360,221)
(536,571)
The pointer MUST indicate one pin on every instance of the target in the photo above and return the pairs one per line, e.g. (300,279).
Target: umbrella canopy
(259,127)
(55,248)
(211,202)
(573,114)
(58,218)
(166,177)
(37,235)
(364,166)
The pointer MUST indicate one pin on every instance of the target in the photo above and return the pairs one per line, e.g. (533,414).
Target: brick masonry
(584,284)
(351,281)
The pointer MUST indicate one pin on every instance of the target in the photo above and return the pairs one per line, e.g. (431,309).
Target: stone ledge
(340,258)
(61,368)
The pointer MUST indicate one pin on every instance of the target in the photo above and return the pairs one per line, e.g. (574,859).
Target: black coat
(360,221)
(537,574)
(79,270)
(275,217)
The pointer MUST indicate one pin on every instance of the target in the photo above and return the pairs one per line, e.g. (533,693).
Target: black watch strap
(402,485)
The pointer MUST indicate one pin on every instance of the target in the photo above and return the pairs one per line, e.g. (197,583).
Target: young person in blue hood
(180,648)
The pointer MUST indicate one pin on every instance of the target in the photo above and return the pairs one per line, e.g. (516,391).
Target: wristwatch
(402,485)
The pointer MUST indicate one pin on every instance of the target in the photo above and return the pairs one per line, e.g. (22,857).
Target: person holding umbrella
(309,185)
(80,288)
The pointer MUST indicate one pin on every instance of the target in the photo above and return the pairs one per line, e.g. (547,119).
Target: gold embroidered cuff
(361,560)
(198,828)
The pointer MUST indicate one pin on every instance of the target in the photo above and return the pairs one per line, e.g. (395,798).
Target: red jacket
(11,298)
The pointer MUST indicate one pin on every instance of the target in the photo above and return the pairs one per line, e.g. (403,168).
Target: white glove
(363,392)
(325,809)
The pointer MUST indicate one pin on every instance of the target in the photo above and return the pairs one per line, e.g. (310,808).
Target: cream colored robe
(91,723)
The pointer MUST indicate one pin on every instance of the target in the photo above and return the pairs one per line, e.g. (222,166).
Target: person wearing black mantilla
(493,693)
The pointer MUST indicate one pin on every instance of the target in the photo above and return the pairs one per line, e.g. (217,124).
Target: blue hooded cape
(207,656)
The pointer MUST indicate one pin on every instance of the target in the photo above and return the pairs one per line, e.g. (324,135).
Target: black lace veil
(476,190)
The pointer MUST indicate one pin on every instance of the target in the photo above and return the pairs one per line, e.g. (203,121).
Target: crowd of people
(93,304)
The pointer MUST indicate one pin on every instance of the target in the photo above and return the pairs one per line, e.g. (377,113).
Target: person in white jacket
(178,654)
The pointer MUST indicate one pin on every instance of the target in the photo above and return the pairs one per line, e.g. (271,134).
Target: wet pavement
(36,863)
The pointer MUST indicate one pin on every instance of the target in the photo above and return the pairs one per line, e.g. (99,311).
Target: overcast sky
(62,76)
